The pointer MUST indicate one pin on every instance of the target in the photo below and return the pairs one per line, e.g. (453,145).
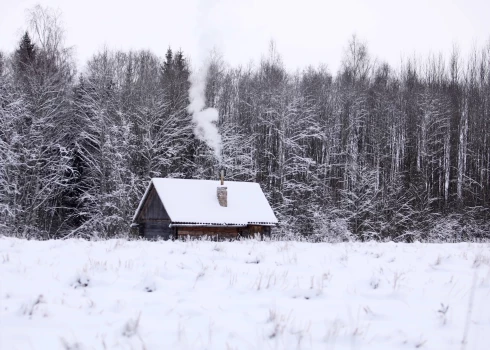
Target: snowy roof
(195,202)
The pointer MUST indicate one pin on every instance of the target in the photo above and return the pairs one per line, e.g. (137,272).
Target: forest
(368,152)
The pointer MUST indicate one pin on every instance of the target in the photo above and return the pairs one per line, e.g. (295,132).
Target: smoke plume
(205,119)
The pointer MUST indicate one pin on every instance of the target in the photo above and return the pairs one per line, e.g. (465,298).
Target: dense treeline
(370,152)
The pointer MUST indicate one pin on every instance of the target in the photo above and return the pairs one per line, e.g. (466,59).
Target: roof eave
(194,224)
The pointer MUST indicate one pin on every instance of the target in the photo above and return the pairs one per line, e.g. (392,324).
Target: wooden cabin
(173,208)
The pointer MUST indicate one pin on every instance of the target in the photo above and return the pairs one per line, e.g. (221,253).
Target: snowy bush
(328,229)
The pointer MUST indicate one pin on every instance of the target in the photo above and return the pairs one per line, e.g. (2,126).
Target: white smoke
(205,119)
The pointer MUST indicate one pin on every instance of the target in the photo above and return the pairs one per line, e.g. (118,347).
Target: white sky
(305,31)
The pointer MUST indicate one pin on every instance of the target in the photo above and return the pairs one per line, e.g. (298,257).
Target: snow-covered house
(176,207)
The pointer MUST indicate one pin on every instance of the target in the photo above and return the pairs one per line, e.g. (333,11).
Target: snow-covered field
(120,294)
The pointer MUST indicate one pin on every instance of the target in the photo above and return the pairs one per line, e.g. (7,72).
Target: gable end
(152,208)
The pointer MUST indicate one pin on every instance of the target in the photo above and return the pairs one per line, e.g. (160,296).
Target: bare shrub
(443,313)
(30,308)
(131,327)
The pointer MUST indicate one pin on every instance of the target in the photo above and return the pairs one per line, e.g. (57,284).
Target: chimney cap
(222,194)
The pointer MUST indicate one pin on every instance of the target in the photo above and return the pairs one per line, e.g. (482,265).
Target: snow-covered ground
(120,294)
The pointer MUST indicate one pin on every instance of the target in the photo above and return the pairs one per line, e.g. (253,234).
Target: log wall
(196,231)
(224,232)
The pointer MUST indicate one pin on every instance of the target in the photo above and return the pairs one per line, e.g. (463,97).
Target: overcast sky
(305,31)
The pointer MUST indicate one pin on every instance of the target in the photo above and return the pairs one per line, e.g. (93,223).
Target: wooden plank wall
(153,208)
(153,219)
(156,229)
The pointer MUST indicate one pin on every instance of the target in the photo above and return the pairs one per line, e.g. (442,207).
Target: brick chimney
(222,192)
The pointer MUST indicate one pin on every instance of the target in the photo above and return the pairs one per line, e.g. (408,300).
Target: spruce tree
(168,64)
(26,53)
(2,63)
